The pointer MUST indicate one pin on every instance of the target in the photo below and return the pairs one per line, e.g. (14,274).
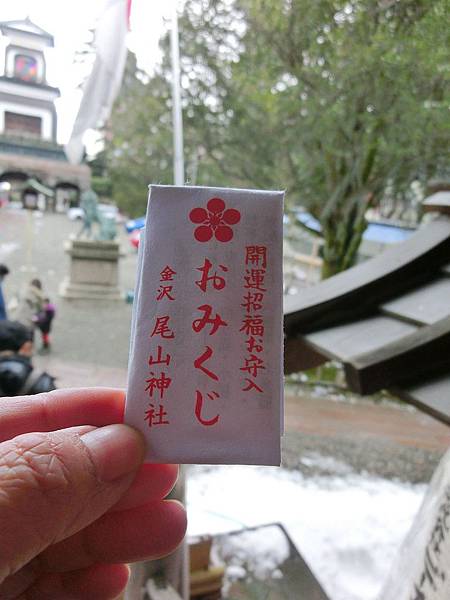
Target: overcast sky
(69,22)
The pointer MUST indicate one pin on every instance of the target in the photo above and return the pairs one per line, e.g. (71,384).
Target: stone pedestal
(94,270)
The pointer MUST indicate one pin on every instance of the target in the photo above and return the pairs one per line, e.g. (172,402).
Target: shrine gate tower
(30,158)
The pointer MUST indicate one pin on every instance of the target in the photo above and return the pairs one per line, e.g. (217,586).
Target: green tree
(341,102)
(138,138)
(139,142)
(100,181)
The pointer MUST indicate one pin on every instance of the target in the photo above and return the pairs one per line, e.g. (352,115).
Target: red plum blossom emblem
(214,220)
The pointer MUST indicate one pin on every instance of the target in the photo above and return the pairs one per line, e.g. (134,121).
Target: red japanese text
(252,324)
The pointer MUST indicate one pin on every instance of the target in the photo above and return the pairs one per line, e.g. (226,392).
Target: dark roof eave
(358,291)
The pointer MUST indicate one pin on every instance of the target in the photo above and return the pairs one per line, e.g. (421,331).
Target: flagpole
(177,117)
(178,567)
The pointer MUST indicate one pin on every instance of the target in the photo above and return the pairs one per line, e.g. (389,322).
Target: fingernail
(116,450)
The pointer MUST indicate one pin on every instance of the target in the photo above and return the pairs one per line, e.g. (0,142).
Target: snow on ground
(348,527)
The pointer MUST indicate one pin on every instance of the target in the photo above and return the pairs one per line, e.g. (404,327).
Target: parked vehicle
(107,210)
(133,224)
(134,237)
(75,213)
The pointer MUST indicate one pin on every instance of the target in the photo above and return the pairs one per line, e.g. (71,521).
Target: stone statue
(89,204)
(108,229)
(92,214)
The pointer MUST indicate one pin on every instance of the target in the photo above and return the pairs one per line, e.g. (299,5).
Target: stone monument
(94,261)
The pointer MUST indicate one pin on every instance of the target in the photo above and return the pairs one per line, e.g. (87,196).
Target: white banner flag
(103,84)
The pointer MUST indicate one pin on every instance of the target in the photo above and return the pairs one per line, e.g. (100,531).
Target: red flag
(128,13)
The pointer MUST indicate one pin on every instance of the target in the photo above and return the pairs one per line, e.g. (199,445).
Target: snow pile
(327,464)
(259,551)
(348,528)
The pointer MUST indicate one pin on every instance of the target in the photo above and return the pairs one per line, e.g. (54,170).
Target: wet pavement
(329,437)
(84,331)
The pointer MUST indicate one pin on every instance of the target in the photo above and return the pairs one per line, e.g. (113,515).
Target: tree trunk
(330,268)
(343,231)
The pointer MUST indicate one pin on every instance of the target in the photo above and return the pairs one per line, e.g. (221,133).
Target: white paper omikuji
(205,368)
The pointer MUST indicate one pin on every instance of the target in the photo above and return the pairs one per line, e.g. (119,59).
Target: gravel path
(339,455)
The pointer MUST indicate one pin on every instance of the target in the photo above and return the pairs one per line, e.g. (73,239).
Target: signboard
(421,571)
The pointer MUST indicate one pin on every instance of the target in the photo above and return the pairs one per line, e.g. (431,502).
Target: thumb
(54,484)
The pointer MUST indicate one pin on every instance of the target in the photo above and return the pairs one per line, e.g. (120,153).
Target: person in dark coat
(18,377)
(3,272)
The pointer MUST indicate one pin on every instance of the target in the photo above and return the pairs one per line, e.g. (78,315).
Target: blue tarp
(382,233)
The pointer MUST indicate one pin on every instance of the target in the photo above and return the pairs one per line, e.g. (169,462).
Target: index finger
(60,409)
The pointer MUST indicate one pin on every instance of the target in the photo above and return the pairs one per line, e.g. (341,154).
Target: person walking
(30,304)
(3,272)
(43,320)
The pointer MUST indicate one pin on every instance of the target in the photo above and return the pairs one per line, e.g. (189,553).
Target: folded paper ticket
(205,369)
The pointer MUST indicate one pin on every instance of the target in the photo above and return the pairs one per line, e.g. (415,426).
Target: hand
(75,500)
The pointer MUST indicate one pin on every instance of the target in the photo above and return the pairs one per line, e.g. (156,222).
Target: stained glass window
(25,67)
